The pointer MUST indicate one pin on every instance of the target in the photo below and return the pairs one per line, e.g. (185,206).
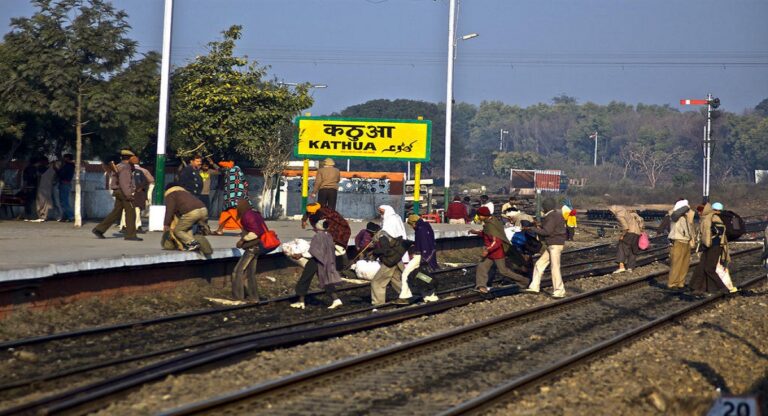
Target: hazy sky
(528,51)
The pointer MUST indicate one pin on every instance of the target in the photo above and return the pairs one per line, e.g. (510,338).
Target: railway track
(129,345)
(211,350)
(489,361)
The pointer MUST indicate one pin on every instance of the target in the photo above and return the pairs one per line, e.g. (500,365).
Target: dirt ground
(188,296)
(674,371)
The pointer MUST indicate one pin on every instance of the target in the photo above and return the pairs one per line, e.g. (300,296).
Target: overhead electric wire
(415,57)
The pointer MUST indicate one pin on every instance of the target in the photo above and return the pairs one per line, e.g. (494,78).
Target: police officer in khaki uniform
(123,187)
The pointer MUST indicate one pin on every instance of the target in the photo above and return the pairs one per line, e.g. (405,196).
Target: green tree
(505,161)
(222,105)
(762,108)
(61,59)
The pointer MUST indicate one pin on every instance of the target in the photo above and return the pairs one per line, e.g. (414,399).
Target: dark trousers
(627,250)
(310,270)
(484,267)
(66,209)
(30,197)
(121,203)
(426,288)
(206,200)
(705,278)
(569,233)
(246,267)
(327,197)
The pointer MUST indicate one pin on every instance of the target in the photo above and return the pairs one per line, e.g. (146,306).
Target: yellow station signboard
(354,138)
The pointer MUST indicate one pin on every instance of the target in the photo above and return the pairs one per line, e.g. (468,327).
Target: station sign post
(368,139)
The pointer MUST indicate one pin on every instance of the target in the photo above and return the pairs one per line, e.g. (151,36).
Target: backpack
(531,244)
(734,225)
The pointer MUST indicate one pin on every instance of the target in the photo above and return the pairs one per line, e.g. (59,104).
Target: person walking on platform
(715,244)
(209,175)
(457,212)
(122,187)
(189,209)
(44,200)
(244,275)
(65,174)
(494,253)
(424,260)
(235,189)
(682,236)
(553,230)
(30,177)
(322,264)
(631,226)
(190,179)
(143,180)
(327,184)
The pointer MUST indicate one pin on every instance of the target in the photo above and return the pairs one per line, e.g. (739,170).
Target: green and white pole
(157,210)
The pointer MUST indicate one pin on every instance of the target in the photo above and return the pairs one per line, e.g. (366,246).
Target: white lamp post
(452,43)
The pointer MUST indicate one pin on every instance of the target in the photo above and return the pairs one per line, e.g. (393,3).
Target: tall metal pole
(449,99)
(158,209)
(595,148)
(708,148)
(708,143)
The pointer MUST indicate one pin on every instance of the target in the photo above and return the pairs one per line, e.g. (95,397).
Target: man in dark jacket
(389,251)
(123,187)
(190,210)
(190,179)
(553,230)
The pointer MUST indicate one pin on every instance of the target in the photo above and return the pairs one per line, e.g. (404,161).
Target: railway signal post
(711,103)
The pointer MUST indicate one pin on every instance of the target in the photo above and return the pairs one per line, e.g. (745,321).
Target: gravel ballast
(640,384)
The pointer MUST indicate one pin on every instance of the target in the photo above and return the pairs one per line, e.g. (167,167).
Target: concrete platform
(30,251)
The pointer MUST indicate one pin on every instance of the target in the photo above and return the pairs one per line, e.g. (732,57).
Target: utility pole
(594,136)
(501,138)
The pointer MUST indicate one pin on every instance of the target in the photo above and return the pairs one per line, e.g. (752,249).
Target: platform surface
(36,250)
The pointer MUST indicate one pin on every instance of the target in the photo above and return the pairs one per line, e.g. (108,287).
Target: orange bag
(269,240)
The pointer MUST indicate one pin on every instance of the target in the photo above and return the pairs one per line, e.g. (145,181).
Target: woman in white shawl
(393,225)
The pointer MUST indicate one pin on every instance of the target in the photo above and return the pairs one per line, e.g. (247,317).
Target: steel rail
(186,315)
(212,342)
(497,395)
(250,343)
(296,379)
